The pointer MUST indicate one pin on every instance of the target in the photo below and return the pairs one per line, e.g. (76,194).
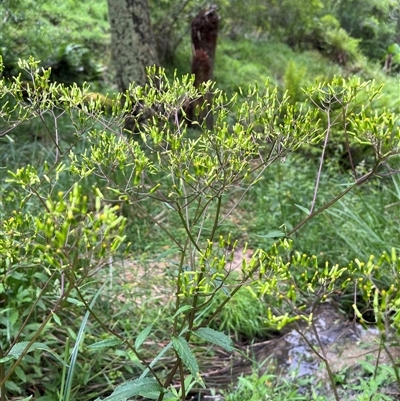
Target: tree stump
(204,42)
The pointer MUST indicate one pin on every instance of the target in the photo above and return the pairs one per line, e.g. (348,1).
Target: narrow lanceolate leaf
(182,309)
(302,208)
(17,350)
(146,387)
(273,234)
(182,349)
(141,338)
(108,343)
(216,337)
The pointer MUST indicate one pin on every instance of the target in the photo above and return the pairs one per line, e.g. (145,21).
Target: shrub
(63,234)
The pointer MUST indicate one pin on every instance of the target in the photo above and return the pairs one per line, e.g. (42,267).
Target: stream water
(344,344)
(341,342)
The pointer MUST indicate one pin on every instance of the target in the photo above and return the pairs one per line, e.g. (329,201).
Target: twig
(321,162)
(334,200)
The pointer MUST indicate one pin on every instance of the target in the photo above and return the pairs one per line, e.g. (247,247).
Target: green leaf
(79,339)
(20,374)
(172,250)
(394,48)
(182,309)
(142,336)
(146,387)
(302,208)
(17,350)
(57,319)
(182,349)
(215,337)
(273,234)
(75,301)
(10,385)
(12,317)
(108,343)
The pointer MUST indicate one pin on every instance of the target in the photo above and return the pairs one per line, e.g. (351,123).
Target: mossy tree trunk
(133,44)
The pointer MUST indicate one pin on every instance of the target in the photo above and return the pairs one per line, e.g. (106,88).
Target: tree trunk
(133,45)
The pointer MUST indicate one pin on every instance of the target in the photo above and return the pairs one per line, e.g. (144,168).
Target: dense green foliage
(73,38)
(68,36)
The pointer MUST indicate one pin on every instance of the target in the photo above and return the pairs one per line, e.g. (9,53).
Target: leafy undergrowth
(370,383)
(141,293)
(94,196)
